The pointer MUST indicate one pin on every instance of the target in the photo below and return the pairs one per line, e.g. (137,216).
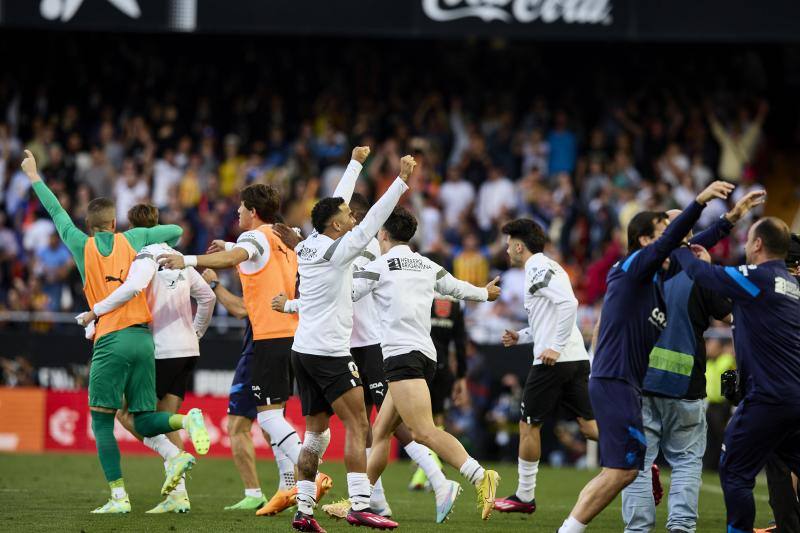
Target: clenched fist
(360,153)
(407,165)
(279,303)
(29,166)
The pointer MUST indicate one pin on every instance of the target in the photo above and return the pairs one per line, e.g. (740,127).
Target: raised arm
(346,185)
(728,281)
(205,298)
(646,261)
(722,227)
(347,247)
(74,238)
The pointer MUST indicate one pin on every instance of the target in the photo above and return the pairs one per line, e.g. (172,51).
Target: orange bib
(103,276)
(258,289)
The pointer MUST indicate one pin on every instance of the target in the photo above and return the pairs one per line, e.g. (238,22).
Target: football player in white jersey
(403,283)
(559,376)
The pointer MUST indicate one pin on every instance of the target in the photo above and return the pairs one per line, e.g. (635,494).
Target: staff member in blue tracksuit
(766,313)
(674,387)
(632,319)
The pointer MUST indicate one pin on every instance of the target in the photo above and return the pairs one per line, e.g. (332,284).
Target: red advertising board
(68,426)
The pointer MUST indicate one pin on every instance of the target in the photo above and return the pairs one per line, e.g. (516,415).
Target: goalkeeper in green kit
(123,364)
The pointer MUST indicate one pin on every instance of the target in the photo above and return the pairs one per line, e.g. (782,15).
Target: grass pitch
(55,493)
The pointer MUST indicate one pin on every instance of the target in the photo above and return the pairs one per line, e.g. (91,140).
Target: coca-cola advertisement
(614,20)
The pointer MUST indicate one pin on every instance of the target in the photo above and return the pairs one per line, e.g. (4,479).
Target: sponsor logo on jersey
(408,263)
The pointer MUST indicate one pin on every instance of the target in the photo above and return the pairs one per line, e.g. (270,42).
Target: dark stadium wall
(617,20)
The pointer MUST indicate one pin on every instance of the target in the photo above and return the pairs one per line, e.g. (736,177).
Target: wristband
(190,260)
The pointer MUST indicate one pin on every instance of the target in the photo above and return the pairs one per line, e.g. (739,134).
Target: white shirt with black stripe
(325,267)
(366,322)
(552,311)
(256,245)
(403,284)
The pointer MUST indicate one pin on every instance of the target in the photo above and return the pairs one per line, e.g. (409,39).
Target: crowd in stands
(579,141)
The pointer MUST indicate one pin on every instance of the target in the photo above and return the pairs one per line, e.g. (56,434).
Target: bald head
(768,240)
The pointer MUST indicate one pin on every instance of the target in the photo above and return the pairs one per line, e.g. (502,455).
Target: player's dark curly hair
(643,225)
(401,225)
(529,232)
(323,211)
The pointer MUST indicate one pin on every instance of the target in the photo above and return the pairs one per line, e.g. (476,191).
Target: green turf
(55,493)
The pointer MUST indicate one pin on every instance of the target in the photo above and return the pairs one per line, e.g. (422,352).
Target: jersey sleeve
(139,276)
(728,281)
(73,238)
(346,185)
(365,280)
(141,237)
(205,298)
(645,262)
(292,306)
(709,237)
(525,336)
(449,286)
(346,248)
(256,246)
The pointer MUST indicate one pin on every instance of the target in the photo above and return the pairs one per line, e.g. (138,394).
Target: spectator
(166,177)
(563,146)
(737,142)
(471,264)
(129,191)
(53,263)
(496,199)
(456,196)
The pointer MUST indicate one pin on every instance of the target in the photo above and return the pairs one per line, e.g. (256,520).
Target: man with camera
(766,311)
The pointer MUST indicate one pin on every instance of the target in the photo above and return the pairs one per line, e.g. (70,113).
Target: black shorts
(172,375)
(441,388)
(321,380)
(271,373)
(412,365)
(548,387)
(369,360)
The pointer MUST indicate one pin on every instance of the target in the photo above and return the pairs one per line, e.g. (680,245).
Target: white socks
(472,470)
(162,446)
(253,493)
(526,488)
(359,490)
(281,433)
(167,450)
(285,469)
(421,455)
(307,496)
(571,525)
(118,492)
